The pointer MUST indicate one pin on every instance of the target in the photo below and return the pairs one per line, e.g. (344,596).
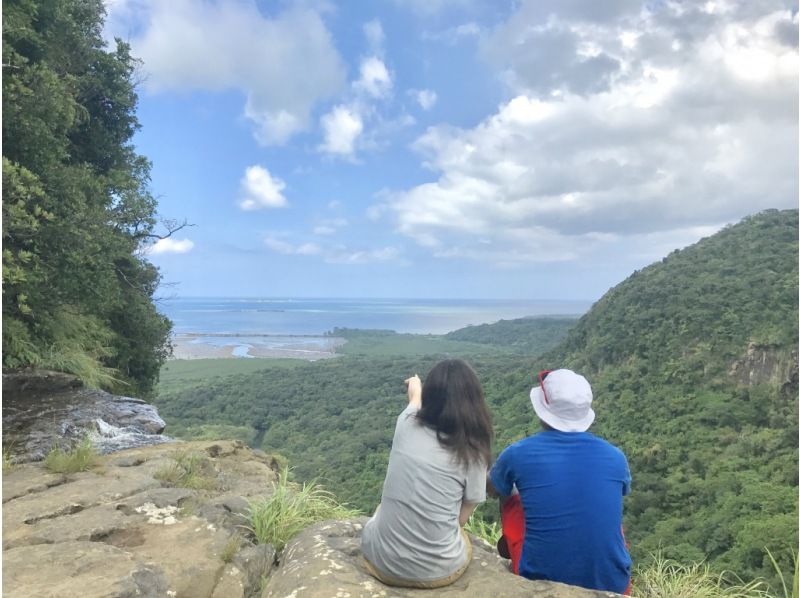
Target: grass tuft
(8,458)
(188,470)
(794,593)
(490,532)
(232,547)
(664,578)
(291,508)
(81,457)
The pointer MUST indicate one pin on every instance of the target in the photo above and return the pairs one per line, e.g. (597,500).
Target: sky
(534,149)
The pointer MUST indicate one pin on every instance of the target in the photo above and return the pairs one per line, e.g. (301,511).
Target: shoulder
(606,446)
(520,446)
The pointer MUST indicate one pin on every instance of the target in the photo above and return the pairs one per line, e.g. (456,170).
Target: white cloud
(426,98)
(285,248)
(284,64)
(609,138)
(170,245)
(333,254)
(375,79)
(261,190)
(375,36)
(342,126)
(344,255)
(329,227)
(432,8)
(453,35)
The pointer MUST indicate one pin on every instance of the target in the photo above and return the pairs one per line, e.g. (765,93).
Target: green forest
(77,208)
(711,436)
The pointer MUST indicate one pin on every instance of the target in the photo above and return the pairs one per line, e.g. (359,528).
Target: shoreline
(185,346)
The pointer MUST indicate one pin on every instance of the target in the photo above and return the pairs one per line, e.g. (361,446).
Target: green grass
(790,590)
(188,470)
(81,457)
(8,459)
(664,578)
(291,508)
(231,548)
(490,532)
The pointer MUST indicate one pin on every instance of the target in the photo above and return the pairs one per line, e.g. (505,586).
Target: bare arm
(414,391)
(467,509)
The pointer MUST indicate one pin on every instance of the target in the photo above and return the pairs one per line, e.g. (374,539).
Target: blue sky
(534,149)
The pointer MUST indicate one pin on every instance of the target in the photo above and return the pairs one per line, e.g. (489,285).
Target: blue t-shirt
(571,486)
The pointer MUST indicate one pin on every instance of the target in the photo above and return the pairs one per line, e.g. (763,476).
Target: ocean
(315,317)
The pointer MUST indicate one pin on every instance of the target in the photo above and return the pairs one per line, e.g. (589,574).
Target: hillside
(699,307)
(693,362)
(528,335)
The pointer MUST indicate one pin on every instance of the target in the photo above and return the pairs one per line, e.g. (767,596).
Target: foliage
(277,518)
(791,590)
(386,342)
(188,470)
(82,457)
(180,374)
(532,336)
(663,578)
(489,532)
(689,316)
(77,292)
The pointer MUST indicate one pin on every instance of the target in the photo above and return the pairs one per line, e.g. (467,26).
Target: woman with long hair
(435,479)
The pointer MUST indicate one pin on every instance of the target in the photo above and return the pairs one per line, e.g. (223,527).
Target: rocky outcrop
(121,531)
(43,408)
(125,530)
(767,364)
(324,561)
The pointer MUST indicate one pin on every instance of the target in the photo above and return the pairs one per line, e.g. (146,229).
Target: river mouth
(254,346)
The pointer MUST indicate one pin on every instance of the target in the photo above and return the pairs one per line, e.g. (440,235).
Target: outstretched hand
(414,385)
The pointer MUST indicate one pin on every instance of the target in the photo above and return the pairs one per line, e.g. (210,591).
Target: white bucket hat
(563,401)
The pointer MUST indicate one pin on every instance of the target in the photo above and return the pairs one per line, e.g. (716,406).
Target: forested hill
(77,210)
(694,313)
(533,336)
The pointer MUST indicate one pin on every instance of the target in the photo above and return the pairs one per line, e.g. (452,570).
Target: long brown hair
(454,406)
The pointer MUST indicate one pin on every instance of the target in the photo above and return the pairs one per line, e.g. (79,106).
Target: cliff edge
(128,528)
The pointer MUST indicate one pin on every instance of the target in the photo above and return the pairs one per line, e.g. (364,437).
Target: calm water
(317,316)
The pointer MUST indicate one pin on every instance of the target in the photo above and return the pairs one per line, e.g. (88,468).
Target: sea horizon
(314,316)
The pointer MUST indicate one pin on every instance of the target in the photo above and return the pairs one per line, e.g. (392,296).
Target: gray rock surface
(117,531)
(42,408)
(324,561)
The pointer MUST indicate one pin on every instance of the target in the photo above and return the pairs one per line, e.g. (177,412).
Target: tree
(77,209)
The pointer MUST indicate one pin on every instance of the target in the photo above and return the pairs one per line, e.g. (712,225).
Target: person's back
(570,485)
(436,476)
(415,533)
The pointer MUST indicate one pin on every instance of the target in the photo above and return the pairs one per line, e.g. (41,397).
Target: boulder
(325,561)
(42,409)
